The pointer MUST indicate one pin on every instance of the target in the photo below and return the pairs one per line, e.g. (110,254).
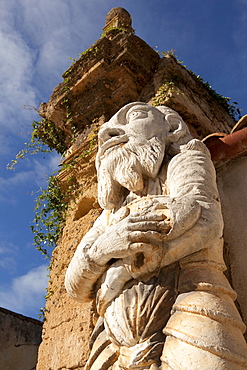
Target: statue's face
(142,123)
(131,149)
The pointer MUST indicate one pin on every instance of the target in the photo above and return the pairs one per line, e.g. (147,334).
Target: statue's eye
(134,114)
(137,114)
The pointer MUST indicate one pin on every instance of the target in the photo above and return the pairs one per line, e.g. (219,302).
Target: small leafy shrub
(50,211)
(45,137)
(164,94)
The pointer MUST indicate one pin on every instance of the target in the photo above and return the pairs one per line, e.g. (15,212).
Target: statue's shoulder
(197,145)
(194,154)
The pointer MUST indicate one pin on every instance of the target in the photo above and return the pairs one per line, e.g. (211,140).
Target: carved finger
(144,226)
(146,237)
(160,226)
(159,206)
(165,226)
(139,217)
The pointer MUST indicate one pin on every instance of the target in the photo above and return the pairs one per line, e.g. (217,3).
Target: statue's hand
(172,216)
(151,227)
(148,233)
(128,236)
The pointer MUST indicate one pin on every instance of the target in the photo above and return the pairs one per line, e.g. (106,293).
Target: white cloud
(37,40)
(16,60)
(36,172)
(17,179)
(8,253)
(42,170)
(53,29)
(8,263)
(25,294)
(16,88)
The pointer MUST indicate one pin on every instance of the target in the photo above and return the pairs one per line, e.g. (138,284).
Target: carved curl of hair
(178,134)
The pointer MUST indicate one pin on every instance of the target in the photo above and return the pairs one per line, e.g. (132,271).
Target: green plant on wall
(164,93)
(50,211)
(45,137)
(50,135)
(41,315)
(92,143)
(53,202)
(116,30)
(93,50)
(51,205)
(232,108)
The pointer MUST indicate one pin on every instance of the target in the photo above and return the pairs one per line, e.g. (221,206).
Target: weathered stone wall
(173,85)
(20,337)
(232,179)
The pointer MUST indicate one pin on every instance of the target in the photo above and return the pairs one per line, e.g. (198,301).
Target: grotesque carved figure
(153,259)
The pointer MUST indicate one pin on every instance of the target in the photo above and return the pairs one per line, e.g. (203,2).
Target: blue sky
(37,38)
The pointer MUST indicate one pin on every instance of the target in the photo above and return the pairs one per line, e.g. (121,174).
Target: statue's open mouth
(115,140)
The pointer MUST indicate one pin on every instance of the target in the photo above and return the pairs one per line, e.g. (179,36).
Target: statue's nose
(108,133)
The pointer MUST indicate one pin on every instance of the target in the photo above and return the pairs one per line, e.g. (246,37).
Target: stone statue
(153,259)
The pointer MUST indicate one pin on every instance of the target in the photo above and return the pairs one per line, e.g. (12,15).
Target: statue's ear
(177,127)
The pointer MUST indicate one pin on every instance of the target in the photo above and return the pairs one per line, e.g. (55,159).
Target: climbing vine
(50,135)
(163,94)
(53,202)
(50,212)
(45,137)
(93,50)
(231,107)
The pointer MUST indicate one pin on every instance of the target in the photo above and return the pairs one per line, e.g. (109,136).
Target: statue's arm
(94,254)
(191,177)
(82,272)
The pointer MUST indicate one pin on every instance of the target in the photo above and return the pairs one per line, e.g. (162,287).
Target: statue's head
(132,146)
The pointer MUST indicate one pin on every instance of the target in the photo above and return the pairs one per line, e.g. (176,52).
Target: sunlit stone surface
(153,259)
